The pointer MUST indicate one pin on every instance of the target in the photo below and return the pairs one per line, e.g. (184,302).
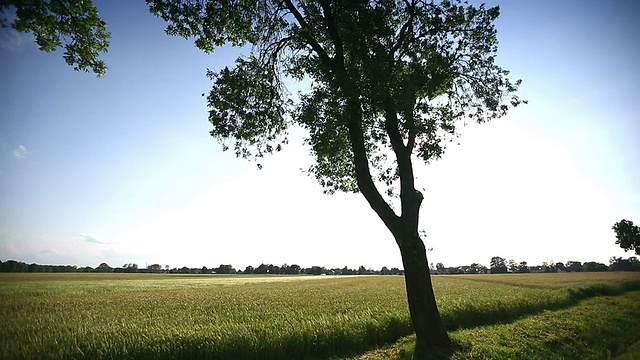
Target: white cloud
(13,40)
(21,152)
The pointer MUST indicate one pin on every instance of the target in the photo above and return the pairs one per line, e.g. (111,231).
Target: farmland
(112,316)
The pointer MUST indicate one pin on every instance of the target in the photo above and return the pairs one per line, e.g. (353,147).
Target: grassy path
(602,327)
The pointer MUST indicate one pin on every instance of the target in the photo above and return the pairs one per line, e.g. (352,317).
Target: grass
(596,328)
(119,316)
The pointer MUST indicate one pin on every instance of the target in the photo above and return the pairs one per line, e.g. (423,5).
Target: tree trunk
(425,316)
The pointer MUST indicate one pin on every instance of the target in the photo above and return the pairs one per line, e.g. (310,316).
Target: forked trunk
(425,316)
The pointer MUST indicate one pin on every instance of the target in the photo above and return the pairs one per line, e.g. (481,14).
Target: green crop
(114,316)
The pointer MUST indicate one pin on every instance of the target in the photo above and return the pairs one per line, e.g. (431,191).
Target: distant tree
(498,265)
(476,268)
(560,267)
(291,269)
(130,268)
(522,268)
(262,269)
(184,270)
(627,235)
(315,270)
(14,266)
(592,266)
(225,269)
(72,24)
(249,270)
(103,267)
(574,266)
(205,270)
(440,268)
(389,78)
(347,271)
(546,267)
(154,268)
(384,271)
(620,264)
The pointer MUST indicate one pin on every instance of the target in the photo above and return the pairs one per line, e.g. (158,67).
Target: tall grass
(238,317)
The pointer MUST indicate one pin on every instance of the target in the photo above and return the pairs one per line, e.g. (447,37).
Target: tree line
(498,265)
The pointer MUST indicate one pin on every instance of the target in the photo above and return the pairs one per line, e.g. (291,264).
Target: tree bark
(427,323)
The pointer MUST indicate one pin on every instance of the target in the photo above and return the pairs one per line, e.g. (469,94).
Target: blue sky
(122,169)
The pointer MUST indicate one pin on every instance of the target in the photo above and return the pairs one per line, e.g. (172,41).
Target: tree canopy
(72,24)
(398,75)
(627,235)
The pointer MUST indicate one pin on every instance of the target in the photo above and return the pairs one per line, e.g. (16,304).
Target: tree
(498,265)
(154,268)
(132,267)
(620,264)
(476,268)
(72,24)
(592,266)
(574,266)
(103,267)
(362,270)
(390,82)
(224,269)
(523,267)
(627,235)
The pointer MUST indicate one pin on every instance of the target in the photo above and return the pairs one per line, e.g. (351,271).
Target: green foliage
(627,235)
(383,74)
(92,316)
(72,24)
(498,265)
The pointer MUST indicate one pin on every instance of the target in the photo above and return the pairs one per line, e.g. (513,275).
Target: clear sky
(121,169)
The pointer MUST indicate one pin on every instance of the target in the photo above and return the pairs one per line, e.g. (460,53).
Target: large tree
(390,82)
(627,235)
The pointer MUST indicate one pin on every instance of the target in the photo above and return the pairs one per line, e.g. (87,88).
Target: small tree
(627,235)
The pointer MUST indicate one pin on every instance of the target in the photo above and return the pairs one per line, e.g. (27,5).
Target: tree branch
(333,31)
(324,57)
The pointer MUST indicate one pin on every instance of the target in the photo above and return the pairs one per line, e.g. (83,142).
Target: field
(118,316)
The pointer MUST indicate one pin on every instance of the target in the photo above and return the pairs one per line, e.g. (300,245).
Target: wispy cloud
(92,239)
(10,38)
(13,40)
(21,152)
